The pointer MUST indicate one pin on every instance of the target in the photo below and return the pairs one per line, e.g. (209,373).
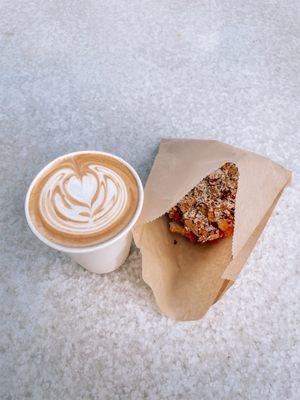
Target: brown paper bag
(188,278)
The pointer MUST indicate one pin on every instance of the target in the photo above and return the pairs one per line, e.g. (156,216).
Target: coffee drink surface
(83,199)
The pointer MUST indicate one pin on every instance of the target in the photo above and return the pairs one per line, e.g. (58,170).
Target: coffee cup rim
(87,249)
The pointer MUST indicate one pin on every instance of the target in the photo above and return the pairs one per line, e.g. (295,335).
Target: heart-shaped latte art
(82,190)
(83,203)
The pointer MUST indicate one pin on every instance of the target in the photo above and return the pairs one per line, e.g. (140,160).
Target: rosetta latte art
(83,204)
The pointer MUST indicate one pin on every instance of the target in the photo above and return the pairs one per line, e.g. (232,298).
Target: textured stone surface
(118,75)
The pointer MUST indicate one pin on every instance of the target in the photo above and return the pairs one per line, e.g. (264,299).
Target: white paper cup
(104,257)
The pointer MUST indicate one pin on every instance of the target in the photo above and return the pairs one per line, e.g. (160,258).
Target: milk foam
(83,199)
(83,204)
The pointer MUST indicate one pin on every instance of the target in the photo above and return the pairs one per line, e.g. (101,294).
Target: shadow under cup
(103,257)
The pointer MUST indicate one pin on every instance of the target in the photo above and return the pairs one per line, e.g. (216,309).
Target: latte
(83,199)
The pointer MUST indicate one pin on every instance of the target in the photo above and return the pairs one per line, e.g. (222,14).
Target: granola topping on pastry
(206,213)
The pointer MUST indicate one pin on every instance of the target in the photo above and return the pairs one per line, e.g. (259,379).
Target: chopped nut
(223,225)
(176,228)
(189,223)
(211,216)
(214,236)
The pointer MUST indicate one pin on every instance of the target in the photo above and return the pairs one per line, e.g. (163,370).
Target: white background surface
(117,75)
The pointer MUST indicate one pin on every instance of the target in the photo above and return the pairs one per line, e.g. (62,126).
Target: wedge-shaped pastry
(206,213)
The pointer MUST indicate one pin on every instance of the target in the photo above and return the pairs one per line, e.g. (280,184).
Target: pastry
(206,213)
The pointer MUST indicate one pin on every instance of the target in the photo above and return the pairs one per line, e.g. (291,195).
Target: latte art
(86,204)
(84,200)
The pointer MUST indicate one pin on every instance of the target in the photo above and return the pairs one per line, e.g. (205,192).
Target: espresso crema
(83,199)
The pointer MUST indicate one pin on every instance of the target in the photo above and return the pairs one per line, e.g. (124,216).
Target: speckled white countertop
(117,75)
